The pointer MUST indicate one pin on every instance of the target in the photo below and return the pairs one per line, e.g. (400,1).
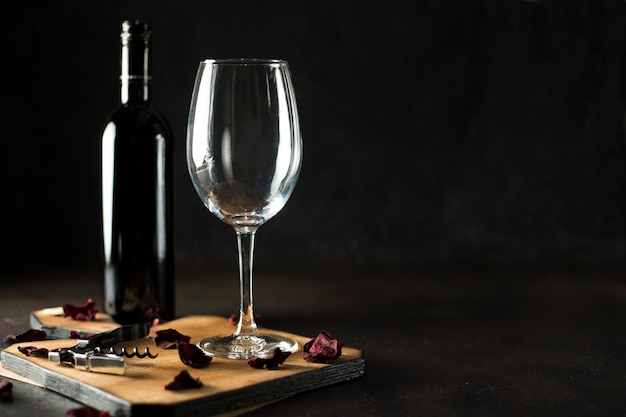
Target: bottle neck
(135,72)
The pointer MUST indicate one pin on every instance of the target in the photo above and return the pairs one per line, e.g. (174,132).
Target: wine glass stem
(245,246)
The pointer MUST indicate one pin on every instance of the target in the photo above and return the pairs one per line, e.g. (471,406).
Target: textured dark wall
(444,132)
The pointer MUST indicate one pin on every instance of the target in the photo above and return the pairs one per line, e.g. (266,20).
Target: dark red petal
(33,351)
(86,312)
(192,355)
(166,339)
(31,335)
(258,363)
(79,335)
(86,411)
(277,358)
(323,348)
(6,391)
(183,381)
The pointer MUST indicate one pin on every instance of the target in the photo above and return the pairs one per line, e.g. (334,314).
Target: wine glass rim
(244,61)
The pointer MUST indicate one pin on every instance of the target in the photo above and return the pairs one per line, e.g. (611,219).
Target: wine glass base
(246,346)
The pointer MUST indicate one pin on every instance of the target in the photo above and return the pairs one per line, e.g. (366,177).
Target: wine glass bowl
(244,152)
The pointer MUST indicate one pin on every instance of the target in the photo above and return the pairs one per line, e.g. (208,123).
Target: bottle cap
(135,29)
(134,60)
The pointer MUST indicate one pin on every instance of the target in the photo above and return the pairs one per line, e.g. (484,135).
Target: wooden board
(56,326)
(228,385)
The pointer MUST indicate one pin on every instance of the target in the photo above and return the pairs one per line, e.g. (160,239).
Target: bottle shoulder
(135,109)
(139,116)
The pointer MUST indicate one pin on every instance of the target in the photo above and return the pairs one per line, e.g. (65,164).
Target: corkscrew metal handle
(97,354)
(93,362)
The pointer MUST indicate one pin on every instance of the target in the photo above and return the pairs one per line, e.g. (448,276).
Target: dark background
(436,132)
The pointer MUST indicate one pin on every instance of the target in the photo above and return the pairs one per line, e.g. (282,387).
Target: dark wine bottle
(137,193)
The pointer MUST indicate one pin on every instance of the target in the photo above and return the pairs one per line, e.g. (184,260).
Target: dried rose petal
(322,349)
(78,335)
(86,411)
(31,335)
(86,312)
(192,355)
(155,316)
(270,363)
(6,391)
(183,381)
(33,351)
(166,339)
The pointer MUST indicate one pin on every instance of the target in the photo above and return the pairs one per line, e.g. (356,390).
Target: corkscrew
(123,352)
(97,353)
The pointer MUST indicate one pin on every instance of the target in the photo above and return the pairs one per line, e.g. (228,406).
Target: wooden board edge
(59,383)
(228,403)
(51,332)
(263,393)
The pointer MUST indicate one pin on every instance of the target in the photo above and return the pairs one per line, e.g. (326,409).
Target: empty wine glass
(244,153)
